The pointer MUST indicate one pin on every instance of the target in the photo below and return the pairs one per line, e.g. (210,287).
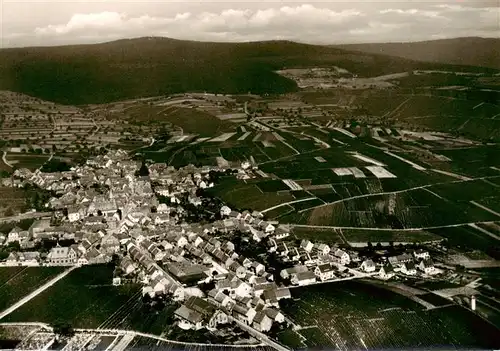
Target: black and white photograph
(249,176)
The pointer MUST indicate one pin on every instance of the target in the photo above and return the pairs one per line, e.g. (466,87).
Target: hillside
(100,73)
(483,52)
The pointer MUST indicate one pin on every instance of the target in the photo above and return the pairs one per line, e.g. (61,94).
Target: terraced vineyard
(355,316)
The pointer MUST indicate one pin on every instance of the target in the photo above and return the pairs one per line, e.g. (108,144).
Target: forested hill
(483,52)
(123,69)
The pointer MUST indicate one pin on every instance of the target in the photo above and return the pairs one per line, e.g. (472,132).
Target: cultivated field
(356,316)
(16,283)
(87,295)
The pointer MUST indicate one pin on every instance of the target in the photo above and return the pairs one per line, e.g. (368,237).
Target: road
(4,159)
(36,292)
(384,229)
(27,215)
(156,337)
(358,276)
(485,208)
(399,192)
(287,203)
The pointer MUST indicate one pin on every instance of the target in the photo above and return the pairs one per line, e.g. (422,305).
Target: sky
(59,22)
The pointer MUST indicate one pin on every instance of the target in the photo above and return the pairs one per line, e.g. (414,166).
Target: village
(110,210)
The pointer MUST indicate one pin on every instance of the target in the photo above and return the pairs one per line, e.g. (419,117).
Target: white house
(225,211)
(275,315)
(368,266)
(387,271)
(427,266)
(73,214)
(306,245)
(342,257)
(409,268)
(303,278)
(421,254)
(244,313)
(324,272)
(269,228)
(323,249)
(62,256)
(262,322)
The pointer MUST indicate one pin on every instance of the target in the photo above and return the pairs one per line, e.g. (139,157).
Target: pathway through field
(36,292)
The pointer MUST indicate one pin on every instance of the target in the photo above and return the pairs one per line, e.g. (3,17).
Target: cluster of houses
(107,210)
(313,262)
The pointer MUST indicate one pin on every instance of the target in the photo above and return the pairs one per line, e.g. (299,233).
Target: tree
(63,329)
(143,171)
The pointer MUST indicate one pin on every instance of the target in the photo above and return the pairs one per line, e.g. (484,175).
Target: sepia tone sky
(56,22)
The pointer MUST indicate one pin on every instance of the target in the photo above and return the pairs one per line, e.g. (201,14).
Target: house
(110,244)
(30,258)
(306,245)
(368,266)
(421,254)
(219,317)
(324,272)
(13,235)
(74,214)
(127,266)
(288,272)
(188,318)
(259,289)
(219,296)
(387,271)
(283,293)
(303,278)
(409,268)
(262,322)
(13,259)
(281,233)
(244,313)
(225,211)
(238,269)
(323,249)
(342,257)
(62,256)
(275,315)
(240,288)
(39,226)
(257,268)
(268,228)
(427,266)
(400,259)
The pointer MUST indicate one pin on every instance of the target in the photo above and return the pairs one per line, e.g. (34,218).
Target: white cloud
(320,22)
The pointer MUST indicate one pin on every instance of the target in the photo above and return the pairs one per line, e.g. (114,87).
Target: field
(329,236)
(387,236)
(248,196)
(418,208)
(291,339)
(356,316)
(85,299)
(12,200)
(32,162)
(469,238)
(16,283)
